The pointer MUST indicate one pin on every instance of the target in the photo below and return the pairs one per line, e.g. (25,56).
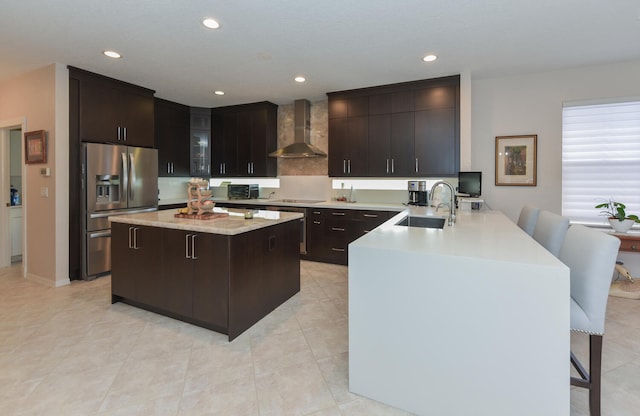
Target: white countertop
(233,224)
(475,234)
(440,314)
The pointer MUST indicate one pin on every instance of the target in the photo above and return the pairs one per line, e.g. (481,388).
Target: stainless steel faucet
(452,200)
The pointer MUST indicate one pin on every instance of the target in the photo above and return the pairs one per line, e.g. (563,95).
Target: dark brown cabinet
(348,146)
(241,139)
(196,275)
(135,263)
(113,111)
(172,138)
(329,231)
(391,144)
(436,148)
(412,130)
(205,278)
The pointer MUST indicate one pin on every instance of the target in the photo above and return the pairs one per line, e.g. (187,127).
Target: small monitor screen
(470,183)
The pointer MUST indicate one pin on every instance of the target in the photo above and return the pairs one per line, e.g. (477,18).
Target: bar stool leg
(590,379)
(595,368)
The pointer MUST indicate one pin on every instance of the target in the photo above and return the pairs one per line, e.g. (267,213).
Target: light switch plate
(44,191)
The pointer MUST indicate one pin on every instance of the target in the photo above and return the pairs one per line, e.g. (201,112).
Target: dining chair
(591,257)
(550,231)
(528,218)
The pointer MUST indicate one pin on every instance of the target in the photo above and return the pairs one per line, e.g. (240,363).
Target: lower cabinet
(134,262)
(330,231)
(222,282)
(195,275)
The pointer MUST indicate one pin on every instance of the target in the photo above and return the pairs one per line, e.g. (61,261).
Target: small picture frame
(516,163)
(35,147)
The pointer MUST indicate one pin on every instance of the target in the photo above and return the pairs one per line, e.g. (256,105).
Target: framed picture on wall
(516,163)
(35,147)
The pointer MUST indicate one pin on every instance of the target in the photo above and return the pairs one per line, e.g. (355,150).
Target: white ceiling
(335,44)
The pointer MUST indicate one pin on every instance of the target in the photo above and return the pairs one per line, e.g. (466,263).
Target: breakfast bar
(469,319)
(224,273)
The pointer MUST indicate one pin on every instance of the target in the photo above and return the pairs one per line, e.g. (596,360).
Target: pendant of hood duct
(301,146)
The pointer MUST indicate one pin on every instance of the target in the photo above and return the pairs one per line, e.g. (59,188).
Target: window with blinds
(600,159)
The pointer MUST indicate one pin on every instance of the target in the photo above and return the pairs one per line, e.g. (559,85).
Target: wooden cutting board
(203,216)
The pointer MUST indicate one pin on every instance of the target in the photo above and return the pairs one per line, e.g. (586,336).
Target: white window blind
(600,159)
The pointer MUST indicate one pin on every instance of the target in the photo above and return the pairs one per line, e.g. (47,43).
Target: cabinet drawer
(629,244)
(345,214)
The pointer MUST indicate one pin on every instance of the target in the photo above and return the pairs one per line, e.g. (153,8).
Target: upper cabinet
(200,144)
(242,136)
(172,138)
(112,111)
(401,130)
(348,136)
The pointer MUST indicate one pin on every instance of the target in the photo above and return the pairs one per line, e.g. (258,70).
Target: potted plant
(618,218)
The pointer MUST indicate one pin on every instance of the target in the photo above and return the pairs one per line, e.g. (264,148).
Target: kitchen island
(224,274)
(468,319)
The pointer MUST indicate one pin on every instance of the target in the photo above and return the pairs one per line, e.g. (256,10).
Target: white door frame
(5,230)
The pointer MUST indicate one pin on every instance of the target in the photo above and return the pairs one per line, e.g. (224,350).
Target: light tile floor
(69,351)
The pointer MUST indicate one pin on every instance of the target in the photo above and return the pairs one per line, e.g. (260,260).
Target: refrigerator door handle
(132,174)
(125,177)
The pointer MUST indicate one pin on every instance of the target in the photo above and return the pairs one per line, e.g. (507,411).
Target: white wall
(532,104)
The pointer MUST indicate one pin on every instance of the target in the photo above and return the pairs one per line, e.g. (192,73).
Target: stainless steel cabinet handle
(248,167)
(317,212)
(130,237)
(337,229)
(393,168)
(135,238)
(187,254)
(193,247)
(118,133)
(387,165)
(344,165)
(349,165)
(338,214)
(316,222)
(125,133)
(370,215)
(417,170)
(337,249)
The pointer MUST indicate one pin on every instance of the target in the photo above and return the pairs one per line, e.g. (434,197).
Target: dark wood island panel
(225,283)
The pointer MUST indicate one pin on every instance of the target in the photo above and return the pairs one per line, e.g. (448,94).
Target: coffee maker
(418,194)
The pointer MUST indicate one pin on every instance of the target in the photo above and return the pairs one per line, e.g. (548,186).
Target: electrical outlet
(44,192)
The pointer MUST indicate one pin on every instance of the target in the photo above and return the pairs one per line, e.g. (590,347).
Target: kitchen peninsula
(224,274)
(469,319)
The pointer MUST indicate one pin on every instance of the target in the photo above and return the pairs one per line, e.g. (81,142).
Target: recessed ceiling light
(211,23)
(112,54)
(429,58)
(300,79)
(218,92)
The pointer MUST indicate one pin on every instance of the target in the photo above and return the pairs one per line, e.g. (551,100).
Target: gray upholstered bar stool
(550,231)
(591,257)
(528,218)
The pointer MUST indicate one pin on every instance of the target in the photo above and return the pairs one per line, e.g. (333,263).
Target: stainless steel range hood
(301,147)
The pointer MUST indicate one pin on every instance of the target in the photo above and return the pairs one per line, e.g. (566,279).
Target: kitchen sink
(423,222)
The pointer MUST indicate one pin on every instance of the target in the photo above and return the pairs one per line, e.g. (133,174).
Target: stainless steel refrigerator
(116,180)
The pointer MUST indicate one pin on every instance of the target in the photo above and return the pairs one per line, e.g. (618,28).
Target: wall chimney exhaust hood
(301,146)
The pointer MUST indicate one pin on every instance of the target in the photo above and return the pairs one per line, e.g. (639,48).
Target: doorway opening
(11,188)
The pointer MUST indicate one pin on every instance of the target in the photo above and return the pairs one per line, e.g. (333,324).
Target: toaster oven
(242,191)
